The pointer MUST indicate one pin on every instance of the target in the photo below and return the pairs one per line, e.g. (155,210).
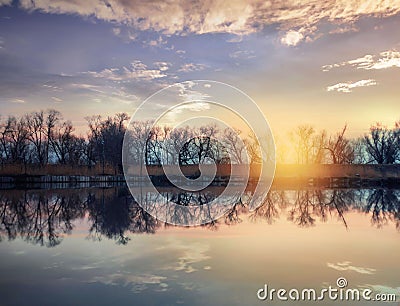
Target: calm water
(97,247)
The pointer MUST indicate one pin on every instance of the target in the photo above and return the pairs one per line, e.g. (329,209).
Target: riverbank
(285,175)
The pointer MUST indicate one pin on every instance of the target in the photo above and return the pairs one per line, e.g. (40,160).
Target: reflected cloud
(346,266)
(383,289)
(189,255)
(137,283)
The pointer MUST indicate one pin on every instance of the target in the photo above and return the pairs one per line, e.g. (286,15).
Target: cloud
(136,71)
(292,38)
(346,266)
(116,31)
(189,67)
(242,54)
(5,2)
(50,86)
(221,16)
(125,34)
(172,115)
(235,39)
(344,29)
(162,66)
(348,86)
(107,92)
(56,99)
(20,101)
(187,94)
(84,86)
(194,107)
(385,59)
(160,41)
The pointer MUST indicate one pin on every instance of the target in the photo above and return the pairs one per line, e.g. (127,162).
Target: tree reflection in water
(384,204)
(44,217)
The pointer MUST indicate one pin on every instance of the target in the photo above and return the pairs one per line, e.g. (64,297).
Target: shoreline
(325,175)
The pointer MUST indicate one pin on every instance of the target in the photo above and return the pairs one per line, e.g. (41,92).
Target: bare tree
(381,145)
(318,148)
(340,149)
(13,138)
(359,149)
(105,140)
(235,145)
(67,148)
(37,136)
(309,147)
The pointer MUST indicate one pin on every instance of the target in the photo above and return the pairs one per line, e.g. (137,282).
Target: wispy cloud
(84,86)
(52,87)
(190,254)
(384,60)
(193,255)
(187,94)
(384,289)
(297,19)
(346,266)
(348,86)
(20,101)
(5,2)
(116,31)
(136,71)
(160,41)
(189,67)
(242,54)
(124,33)
(110,93)
(138,283)
(56,99)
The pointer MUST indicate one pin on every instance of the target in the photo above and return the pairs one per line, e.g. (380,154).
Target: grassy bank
(317,171)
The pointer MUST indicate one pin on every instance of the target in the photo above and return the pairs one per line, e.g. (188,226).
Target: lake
(96,246)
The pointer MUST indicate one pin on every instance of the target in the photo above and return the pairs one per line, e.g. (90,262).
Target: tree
(14,140)
(67,148)
(359,149)
(340,149)
(35,123)
(235,145)
(382,145)
(308,146)
(105,139)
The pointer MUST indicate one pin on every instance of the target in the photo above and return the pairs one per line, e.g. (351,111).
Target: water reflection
(384,205)
(44,217)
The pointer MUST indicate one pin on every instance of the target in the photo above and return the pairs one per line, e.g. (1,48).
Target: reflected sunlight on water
(96,246)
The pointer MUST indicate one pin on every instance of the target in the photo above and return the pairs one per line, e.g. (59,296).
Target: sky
(324,63)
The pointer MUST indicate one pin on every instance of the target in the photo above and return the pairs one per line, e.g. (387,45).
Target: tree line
(43,137)
(381,145)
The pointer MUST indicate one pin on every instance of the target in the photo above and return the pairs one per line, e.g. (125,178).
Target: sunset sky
(319,62)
